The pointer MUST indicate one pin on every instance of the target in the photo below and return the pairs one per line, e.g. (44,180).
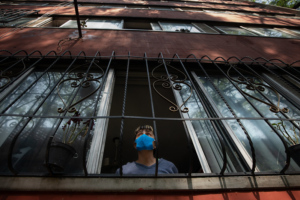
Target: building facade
(218,80)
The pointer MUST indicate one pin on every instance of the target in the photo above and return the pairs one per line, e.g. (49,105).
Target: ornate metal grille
(191,79)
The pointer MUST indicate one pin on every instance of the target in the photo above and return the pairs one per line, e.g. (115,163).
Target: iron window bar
(233,113)
(211,117)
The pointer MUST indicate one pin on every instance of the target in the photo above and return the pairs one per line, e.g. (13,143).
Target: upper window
(234,30)
(95,24)
(269,32)
(179,27)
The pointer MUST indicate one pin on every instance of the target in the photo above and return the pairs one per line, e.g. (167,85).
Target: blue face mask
(144,142)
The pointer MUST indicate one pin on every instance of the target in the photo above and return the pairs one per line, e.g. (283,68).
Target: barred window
(75,115)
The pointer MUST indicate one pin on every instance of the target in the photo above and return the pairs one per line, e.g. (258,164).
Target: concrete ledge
(46,184)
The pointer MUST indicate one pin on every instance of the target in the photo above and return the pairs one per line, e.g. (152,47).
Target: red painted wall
(264,195)
(160,14)
(138,42)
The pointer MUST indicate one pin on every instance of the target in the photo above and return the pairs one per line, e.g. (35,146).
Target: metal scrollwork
(78,81)
(174,82)
(251,84)
(5,77)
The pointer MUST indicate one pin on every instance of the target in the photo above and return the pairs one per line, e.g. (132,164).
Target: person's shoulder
(129,165)
(126,167)
(168,164)
(164,161)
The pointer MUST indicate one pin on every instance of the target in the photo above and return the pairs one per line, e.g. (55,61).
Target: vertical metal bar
(77,18)
(153,115)
(257,110)
(123,114)
(9,159)
(281,138)
(212,123)
(190,144)
(21,74)
(103,81)
(234,114)
(260,92)
(288,83)
(66,111)
(10,164)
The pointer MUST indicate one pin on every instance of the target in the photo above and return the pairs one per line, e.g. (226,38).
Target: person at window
(145,144)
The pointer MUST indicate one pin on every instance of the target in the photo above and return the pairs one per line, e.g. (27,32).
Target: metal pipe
(77,18)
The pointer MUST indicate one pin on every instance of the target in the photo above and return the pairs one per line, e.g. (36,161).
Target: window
(54,91)
(25,3)
(204,112)
(160,8)
(192,9)
(269,32)
(9,15)
(95,24)
(29,22)
(293,32)
(178,27)
(155,26)
(234,31)
(205,28)
(137,25)
(113,6)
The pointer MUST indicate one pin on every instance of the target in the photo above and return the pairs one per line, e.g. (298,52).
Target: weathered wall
(161,14)
(138,42)
(264,195)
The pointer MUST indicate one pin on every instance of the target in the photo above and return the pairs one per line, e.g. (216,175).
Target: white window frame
(95,157)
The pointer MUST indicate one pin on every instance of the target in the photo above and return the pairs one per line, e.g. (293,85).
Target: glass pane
(208,137)
(155,26)
(96,24)
(18,22)
(295,30)
(206,29)
(234,30)
(160,8)
(271,32)
(112,6)
(269,149)
(179,27)
(48,93)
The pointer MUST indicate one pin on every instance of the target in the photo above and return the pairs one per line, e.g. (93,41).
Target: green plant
(292,139)
(72,128)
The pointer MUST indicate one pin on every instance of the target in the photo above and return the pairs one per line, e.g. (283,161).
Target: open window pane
(179,27)
(96,24)
(234,31)
(269,149)
(208,140)
(269,32)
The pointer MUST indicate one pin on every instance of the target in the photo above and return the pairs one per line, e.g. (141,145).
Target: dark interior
(171,135)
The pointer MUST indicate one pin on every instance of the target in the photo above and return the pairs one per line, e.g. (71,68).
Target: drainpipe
(77,17)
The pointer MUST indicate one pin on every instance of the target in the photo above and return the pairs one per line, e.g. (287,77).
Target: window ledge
(48,184)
